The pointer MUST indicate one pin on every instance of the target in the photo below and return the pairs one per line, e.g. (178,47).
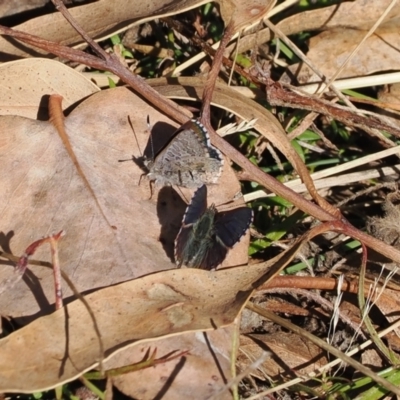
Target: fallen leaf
(246,13)
(114,232)
(61,346)
(388,303)
(389,99)
(357,14)
(101,21)
(330,49)
(8,8)
(346,25)
(24,83)
(372,359)
(203,371)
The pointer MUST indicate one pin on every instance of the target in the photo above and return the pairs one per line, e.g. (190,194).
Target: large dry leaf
(358,14)
(331,48)
(351,14)
(243,13)
(24,83)
(59,347)
(114,232)
(349,24)
(100,20)
(92,198)
(14,7)
(200,374)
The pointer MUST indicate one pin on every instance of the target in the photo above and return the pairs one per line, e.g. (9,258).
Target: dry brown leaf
(59,347)
(389,99)
(348,13)
(358,14)
(113,231)
(100,20)
(331,48)
(243,13)
(372,359)
(289,352)
(342,33)
(152,306)
(389,304)
(8,8)
(199,375)
(102,246)
(24,83)
(390,94)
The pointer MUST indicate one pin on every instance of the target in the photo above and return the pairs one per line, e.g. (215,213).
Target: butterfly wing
(214,256)
(196,207)
(232,225)
(184,240)
(182,245)
(188,159)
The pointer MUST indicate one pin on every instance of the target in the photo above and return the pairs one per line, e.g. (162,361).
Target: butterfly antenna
(133,158)
(150,127)
(134,133)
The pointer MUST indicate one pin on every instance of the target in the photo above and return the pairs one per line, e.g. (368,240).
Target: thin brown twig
(60,6)
(278,96)
(213,76)
(209,50)
(53,240)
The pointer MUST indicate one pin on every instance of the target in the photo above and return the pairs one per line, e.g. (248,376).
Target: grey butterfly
(187,160)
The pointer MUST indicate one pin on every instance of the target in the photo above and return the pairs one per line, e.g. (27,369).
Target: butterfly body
(200,240)
(187,160)
(207,235)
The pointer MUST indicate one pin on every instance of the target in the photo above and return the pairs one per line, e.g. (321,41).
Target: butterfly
(207,235)
(188,159)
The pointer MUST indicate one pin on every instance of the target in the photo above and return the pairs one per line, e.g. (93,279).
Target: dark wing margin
(196,207)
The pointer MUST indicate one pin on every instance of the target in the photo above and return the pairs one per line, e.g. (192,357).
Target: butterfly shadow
(160,134)
(170,211)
